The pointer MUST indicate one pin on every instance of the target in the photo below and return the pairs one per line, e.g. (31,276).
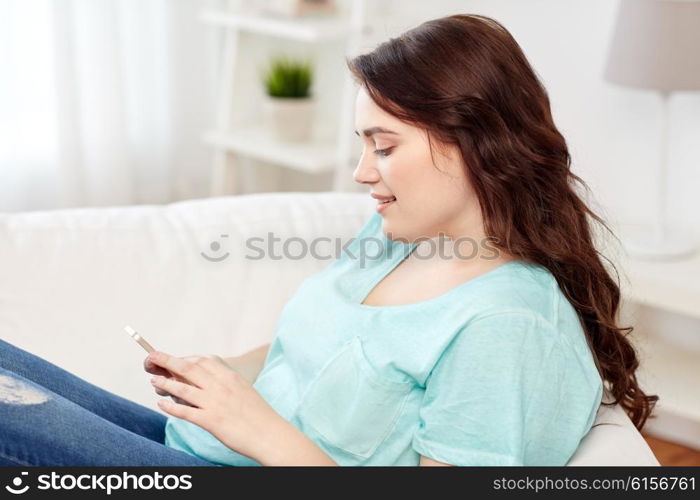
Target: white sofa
(71,279)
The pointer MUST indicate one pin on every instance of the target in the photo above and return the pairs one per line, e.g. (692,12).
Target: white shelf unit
(672,286)
(307,30)
(671,370)
(253,141)
(667,336)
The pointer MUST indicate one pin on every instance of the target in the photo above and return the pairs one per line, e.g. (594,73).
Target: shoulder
(532,293)
(518,349)
(523,317)
(521,306)
(520,289)
(508,333)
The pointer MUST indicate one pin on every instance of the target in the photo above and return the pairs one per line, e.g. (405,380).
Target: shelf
(303,29)
(673,286)
(671,371)
(668,367)
(256,142)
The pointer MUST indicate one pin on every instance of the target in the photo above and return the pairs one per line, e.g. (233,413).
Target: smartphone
(142,342)
(138,338)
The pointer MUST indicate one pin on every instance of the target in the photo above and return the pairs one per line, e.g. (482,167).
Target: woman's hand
(216,398)
(154,369)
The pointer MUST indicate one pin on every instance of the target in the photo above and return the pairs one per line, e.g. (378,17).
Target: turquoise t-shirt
(495,371)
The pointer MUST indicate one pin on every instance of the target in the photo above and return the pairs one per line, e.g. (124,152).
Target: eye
(382,152)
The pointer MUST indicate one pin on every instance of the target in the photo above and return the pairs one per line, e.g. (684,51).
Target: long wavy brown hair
(465,80)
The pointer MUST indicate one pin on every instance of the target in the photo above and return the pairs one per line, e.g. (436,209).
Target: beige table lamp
(656,46)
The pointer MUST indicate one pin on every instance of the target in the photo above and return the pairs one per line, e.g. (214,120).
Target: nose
(365,172)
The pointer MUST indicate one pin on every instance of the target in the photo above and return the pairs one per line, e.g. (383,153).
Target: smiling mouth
(387,201)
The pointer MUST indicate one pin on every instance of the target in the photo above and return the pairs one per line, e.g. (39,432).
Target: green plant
(288,78)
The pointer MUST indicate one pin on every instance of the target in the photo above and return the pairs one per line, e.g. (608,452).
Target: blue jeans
(50,417)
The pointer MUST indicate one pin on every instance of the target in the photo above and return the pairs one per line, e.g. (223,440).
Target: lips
(382,198)
(383,204)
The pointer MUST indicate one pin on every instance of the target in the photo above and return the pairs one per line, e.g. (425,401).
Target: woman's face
(429,200)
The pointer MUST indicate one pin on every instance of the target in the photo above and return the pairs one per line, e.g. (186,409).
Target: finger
(186,392)
(189,413)
(154,369)
(192,373)
(161,392)
(193,357)
(167,374)
(181,401)
(165,393)
(159,371)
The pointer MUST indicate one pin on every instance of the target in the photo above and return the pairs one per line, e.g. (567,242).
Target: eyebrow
(368,132)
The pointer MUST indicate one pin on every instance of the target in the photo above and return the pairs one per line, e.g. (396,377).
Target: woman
(491,348)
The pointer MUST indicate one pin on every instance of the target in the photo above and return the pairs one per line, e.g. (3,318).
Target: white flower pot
(289,119)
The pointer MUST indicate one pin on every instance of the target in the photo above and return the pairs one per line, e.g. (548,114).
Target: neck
(461,250)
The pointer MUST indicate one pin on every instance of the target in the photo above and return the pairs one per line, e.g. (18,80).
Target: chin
(388,227)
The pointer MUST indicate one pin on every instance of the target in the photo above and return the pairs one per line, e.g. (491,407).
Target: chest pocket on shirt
(350,405)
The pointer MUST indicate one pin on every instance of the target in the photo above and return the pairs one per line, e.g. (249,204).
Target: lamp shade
(656,45)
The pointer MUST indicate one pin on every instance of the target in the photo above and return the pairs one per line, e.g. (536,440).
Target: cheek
(410,175)
(433,192)
(404,173)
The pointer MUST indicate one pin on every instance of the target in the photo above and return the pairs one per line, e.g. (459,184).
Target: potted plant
(288,103)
